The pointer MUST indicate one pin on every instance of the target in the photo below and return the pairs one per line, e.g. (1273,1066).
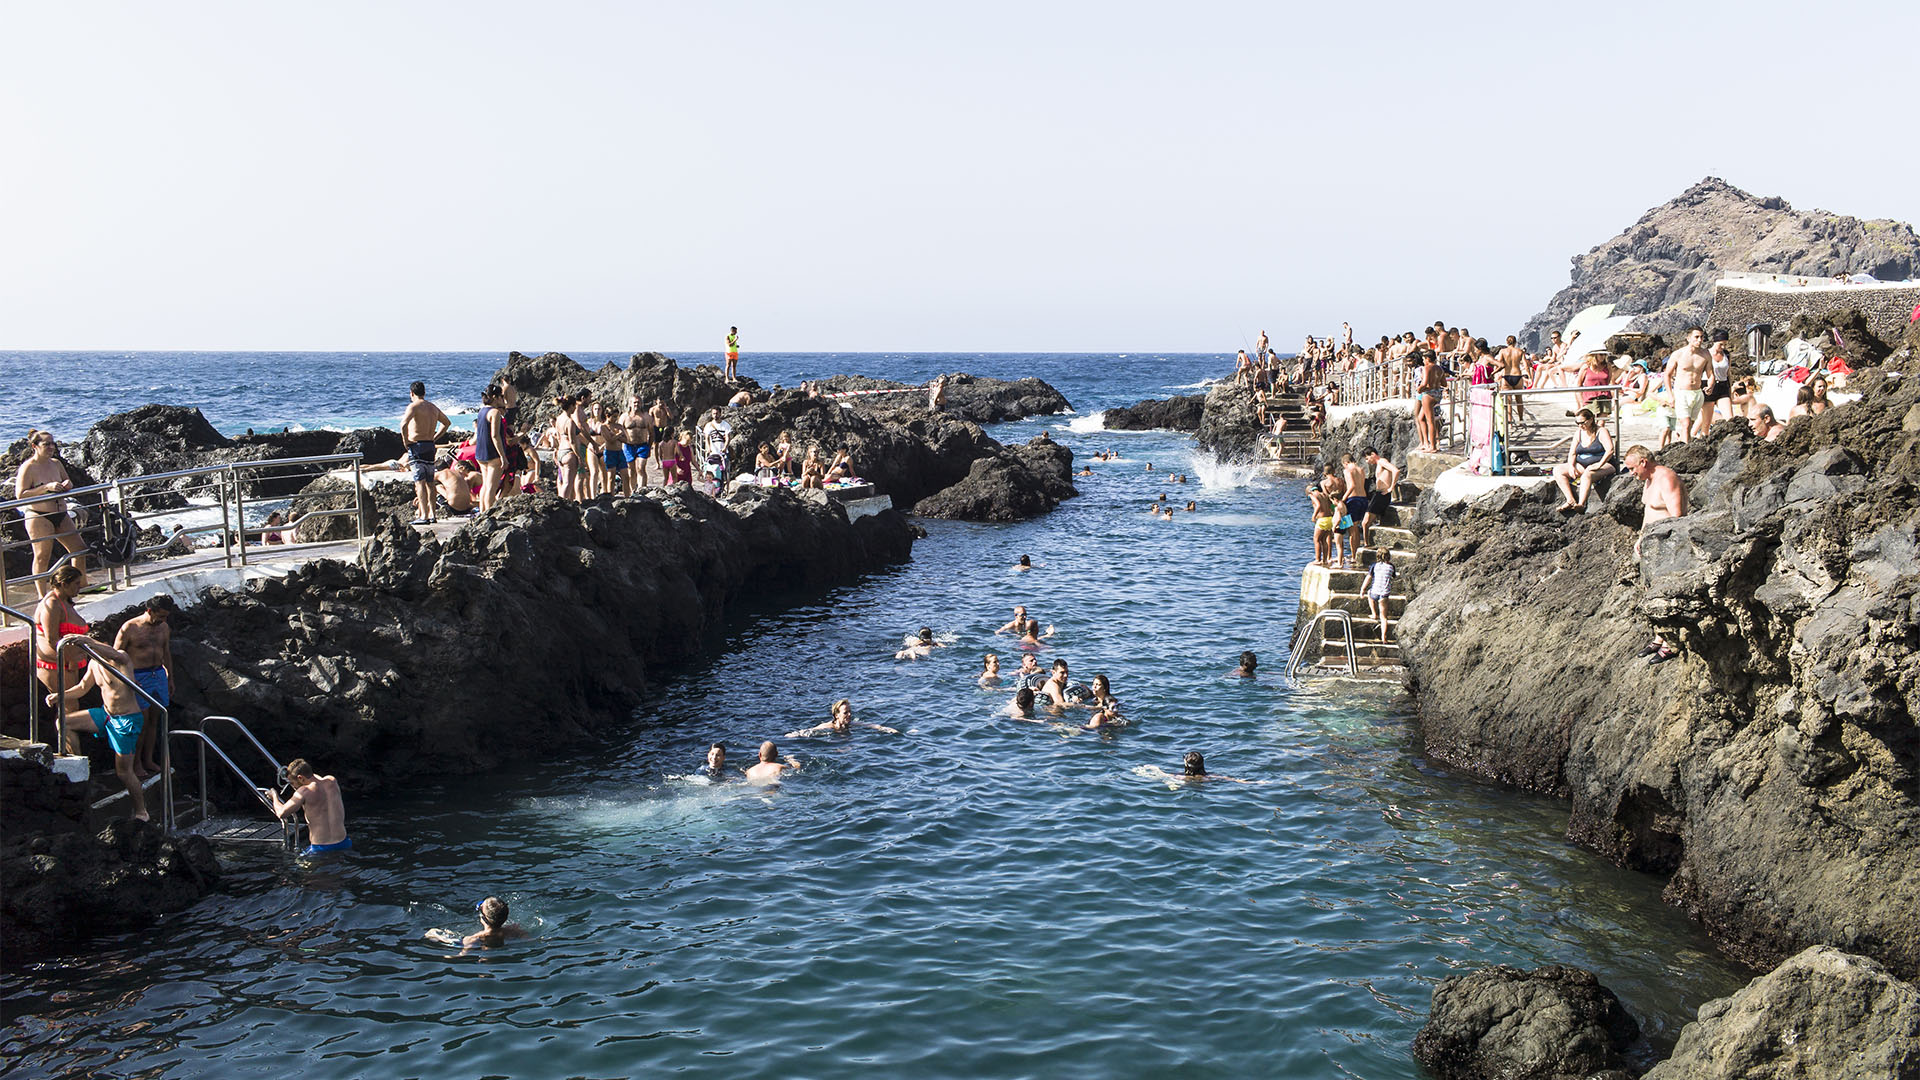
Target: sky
(887,176)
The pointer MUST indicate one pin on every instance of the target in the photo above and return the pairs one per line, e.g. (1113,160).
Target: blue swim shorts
(637,453)
(322,849)
(121,732)
(154,681)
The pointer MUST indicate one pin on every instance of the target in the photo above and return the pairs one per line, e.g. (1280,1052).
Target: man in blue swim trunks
(120,722)
(319,797)
(147,639)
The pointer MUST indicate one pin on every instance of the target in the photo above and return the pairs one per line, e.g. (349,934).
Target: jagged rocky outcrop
(1179,413)
(969,397)
(1230,425)
(1016,483)
(458,655)
(1772,769)
(1665,265)
(1388,429)
(154,439)
(906,449)
(1552,1023)
(57,889)
(1822,1013)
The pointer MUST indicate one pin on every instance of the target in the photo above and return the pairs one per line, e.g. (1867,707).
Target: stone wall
(1887,310)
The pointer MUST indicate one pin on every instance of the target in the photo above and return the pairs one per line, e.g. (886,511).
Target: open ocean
(976,897)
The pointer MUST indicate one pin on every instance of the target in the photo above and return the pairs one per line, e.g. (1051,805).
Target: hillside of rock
(1665,264)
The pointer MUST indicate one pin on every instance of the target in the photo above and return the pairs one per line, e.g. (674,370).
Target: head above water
(1023,699)
(769,752)
(926,635)
(493,912)
(1193,764)
(716,757)
(1248,661)
(1026,560)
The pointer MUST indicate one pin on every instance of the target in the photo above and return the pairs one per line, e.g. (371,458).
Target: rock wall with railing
(1888,309)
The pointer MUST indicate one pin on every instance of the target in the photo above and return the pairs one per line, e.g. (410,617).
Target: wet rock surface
(1014,484)
(1772,768)
(969,397)
(1181,413)
(1552,1023)
(58,890)
(1822,1013)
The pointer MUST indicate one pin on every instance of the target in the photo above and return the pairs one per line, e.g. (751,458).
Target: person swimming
(1030,639)
(1193,769)
(717,760)
(1021,707)
(1016,625)
(990,676)
(495,930)
(1025,563)
(840,723)
(920,646)
(770,768)
(1104,718)
(1248,664)
(1191,506)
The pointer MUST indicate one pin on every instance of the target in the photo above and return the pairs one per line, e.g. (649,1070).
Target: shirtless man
(48,520)
(769,768)
(1355,502)
(1055,688)
(1662,496)
(1261,348)
(147,639)
(1386,477)
(638,424)
(120,722)
(1546,372)
(456,485)
(1018,624)
(319,797)
(420,425)
(1686,374)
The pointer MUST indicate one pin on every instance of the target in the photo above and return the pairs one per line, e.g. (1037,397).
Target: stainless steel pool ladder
(275,831)
(1312,632)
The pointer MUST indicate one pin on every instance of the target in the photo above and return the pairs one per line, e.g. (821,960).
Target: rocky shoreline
(460,653)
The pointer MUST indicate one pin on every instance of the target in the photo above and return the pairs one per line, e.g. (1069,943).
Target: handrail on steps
(1304,641)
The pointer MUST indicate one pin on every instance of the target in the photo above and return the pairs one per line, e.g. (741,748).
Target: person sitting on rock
(1589,459)
(455,483)
(813,473)
(841,467)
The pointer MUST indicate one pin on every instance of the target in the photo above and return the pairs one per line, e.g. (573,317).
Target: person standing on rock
(937,394)
(1687,371)
(1355,479)
(1662,495)
(147,639)
(489,441)
(1386,477)
(420,425)
(319,798)
(638,423)
(733,351)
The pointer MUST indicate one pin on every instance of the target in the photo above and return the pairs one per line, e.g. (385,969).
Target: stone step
(1356,605)
(1362,650)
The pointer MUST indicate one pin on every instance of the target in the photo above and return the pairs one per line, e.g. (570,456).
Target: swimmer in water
(1248,664)
(1025,563)
(1055,688)
(1021,707)
(1018,623)
(921,647)
(841,723)
(1029,665)
(1104,718)
(717,760)
(769,768)
(1193,770)
(1190,505)
(991,675)
(1149,466)
(494,928)
(1029,638)
(1085,470)
(1102,696)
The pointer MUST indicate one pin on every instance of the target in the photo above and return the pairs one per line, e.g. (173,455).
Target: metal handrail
(33,687)
(206,740)
(1302,643)
(231,500)
(1504,400)
(92,648)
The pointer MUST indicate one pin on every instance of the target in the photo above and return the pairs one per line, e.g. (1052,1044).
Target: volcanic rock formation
(1180,413)
(1665,265)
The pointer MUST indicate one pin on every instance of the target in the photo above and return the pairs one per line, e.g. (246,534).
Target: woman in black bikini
(43,474)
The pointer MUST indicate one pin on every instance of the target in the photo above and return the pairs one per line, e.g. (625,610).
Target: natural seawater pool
(974,897)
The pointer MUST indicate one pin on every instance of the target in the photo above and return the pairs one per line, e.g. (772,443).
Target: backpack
(119,539)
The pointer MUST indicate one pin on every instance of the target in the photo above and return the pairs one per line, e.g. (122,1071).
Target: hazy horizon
(865,177)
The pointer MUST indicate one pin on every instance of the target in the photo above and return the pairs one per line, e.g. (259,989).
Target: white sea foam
(1219,475)
(1088,424)
(1201,385)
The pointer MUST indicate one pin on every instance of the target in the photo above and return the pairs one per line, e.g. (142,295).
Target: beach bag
(119,538)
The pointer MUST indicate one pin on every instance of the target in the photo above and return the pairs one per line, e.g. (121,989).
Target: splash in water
(1219,475)
(1089,423)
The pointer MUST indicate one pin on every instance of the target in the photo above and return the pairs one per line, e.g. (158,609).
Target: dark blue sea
(974,897)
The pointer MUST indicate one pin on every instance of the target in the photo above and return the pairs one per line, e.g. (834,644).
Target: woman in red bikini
(56,618)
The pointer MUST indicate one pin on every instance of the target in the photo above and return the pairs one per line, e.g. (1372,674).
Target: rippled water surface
(976,896)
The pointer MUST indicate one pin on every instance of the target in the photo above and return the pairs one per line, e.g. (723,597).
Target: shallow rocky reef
(1179,413)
